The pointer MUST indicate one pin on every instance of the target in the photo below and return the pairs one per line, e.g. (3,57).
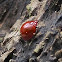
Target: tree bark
(45,45)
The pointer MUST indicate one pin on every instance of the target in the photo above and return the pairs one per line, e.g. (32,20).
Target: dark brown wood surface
(46,45)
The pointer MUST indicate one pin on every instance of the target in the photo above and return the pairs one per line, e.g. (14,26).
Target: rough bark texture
(46,46)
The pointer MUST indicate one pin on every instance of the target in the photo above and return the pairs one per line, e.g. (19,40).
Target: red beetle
(28,29)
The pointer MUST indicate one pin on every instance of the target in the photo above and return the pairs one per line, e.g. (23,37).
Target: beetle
(28,29)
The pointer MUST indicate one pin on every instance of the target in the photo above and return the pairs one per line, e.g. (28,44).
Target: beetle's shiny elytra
(28,29)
